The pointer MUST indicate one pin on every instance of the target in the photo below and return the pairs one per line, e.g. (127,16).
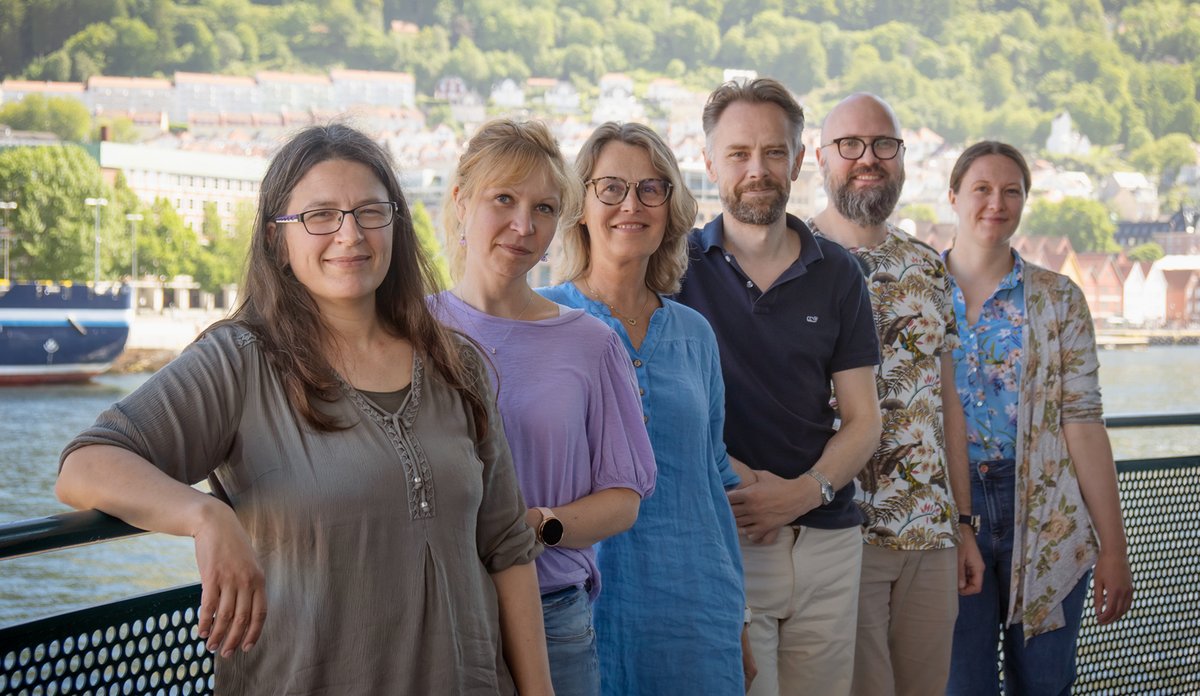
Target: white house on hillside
(1064,139)
(1131,194)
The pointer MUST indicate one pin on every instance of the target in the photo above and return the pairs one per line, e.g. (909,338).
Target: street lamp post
(96,203)
(6,233)
(134,219)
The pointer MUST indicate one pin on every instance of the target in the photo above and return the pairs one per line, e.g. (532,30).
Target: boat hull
(61,333)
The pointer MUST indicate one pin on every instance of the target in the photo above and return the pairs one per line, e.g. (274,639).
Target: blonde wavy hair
(504,152)
(669,261)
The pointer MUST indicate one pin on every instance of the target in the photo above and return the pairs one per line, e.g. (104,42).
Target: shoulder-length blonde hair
(669,261)
(504,152)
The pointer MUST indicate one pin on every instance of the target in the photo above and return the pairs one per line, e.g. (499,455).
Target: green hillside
(1129,73)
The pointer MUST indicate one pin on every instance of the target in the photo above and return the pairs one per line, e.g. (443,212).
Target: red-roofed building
(15,90)
(1103,284)
(1055,253)
(939,235)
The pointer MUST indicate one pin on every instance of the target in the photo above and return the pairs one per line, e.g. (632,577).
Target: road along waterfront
(36,422)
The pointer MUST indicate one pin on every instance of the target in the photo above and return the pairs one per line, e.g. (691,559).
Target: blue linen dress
(669,620)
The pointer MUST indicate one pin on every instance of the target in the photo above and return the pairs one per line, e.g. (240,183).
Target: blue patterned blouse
(987,365)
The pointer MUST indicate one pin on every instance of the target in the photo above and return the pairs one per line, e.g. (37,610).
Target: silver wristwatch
(826,487)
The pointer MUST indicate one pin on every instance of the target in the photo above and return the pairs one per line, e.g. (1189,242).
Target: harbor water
(36,422)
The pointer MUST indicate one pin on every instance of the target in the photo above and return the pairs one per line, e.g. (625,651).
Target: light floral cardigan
(1059,384)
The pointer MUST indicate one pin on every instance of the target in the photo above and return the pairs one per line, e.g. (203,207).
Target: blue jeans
(571,642)
(1046,665)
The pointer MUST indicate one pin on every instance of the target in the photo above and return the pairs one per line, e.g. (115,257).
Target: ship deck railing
(149,644)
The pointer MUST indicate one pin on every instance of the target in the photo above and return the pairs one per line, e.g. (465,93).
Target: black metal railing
(149,644)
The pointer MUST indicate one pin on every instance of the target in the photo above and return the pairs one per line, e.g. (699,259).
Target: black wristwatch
(970,520)
(550,531)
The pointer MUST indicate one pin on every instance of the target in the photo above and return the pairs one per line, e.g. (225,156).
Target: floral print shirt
(1054,542)
(905,489)
(987,366)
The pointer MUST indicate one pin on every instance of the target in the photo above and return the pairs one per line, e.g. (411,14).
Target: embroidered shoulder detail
(243,338)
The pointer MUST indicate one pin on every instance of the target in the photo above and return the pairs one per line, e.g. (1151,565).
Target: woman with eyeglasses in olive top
(566,390)
(671,618)
(368,536)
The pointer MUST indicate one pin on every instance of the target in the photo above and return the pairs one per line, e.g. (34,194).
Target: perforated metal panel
(1155,648)
(144,645)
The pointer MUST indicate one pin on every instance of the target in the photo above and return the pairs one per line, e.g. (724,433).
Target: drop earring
(545,257)
(462,239)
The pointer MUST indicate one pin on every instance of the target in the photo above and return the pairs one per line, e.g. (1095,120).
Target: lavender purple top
(568,398)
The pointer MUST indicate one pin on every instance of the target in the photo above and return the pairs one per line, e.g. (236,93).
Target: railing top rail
(62,531)
(1151,420)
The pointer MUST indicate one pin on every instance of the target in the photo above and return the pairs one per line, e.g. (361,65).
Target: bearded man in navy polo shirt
(792,317)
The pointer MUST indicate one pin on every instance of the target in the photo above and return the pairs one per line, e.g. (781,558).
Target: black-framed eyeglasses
(322,221)
(852,148)
(612,191)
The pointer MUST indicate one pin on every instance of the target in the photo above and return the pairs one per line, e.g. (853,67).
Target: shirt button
(645,419)
(641,392)
(727,258)
(749,283)
(424,505)
(417,482)
(637,363)
(978,403)
(983,468)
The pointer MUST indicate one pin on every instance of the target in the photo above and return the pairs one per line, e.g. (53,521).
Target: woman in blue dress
(670,619)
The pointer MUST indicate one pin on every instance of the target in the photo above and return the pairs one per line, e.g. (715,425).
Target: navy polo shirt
(779,350)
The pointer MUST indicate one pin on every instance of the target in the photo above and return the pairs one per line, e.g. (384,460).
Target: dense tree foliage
(1128,72)
(1086,223)
(54,231)
(430,241)
(1150,251)
(65,117)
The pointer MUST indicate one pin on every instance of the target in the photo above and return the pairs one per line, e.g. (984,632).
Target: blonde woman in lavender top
(567,393)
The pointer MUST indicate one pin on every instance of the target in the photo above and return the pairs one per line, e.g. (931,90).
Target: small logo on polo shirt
(812,319)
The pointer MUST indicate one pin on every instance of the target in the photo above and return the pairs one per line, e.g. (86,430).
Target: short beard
(760,214)
(869,207)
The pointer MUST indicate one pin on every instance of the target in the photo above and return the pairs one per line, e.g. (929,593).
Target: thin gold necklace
(478,335)
(632,321)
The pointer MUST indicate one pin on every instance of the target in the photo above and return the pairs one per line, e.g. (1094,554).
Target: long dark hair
(281,313)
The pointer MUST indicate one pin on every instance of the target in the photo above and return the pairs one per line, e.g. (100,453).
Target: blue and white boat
(61,333)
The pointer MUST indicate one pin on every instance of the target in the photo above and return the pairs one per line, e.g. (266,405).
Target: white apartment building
(205,93)
(187,179)
(128,95)
(394,90)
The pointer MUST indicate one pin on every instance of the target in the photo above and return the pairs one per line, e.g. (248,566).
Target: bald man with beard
(919,550)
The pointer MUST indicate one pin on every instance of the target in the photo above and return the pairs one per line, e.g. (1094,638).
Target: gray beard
(749,214)
(869,207)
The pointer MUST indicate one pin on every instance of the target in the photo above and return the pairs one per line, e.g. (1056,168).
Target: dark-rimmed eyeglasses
(612,191)
(320,221)
(852,148)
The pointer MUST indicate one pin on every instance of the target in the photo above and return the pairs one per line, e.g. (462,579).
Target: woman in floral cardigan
(1042,474)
